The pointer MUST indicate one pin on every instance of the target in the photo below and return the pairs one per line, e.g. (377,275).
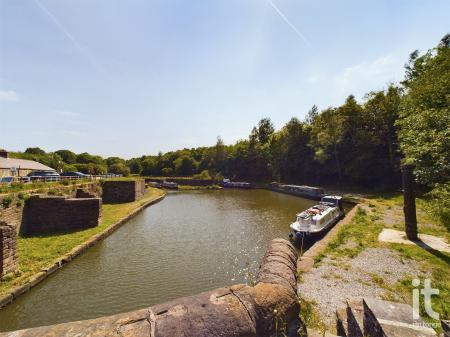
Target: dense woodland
(357,143)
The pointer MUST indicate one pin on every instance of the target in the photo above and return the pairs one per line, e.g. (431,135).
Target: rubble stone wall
(121,191)
(8,250)
(44,214)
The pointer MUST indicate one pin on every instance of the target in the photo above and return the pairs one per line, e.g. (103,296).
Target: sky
(130,78)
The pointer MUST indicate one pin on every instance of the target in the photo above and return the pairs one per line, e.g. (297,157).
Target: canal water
(188,243)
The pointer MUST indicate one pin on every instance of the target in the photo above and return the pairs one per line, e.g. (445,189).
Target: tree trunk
(409,202)
(338,165)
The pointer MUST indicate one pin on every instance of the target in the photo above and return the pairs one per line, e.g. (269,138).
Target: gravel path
(368,275)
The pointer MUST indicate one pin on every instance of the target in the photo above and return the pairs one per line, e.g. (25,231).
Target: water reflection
(189,243)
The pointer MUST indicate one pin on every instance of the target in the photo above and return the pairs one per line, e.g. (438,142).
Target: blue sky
(136,77)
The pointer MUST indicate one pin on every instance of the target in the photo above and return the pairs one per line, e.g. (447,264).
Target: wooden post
(409,202)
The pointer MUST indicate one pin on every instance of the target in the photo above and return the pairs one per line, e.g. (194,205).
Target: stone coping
(66,258)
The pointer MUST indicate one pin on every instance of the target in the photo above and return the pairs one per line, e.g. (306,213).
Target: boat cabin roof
(337,197)
(304,187)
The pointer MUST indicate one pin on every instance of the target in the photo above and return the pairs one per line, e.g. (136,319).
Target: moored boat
(169,185)
(235,184)
(300,190)
(316,220)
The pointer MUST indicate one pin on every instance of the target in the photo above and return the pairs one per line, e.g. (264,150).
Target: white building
(18,167)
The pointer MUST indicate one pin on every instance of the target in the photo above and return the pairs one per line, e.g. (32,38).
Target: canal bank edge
(306,261)
(73,253)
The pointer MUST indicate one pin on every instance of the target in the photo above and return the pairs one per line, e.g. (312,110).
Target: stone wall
(269,308)
(120,191)
(83,194)
(45,214)
(12,215)
(8,249)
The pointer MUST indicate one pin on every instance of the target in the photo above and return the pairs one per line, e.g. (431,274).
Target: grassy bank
(385,211)
(38,252)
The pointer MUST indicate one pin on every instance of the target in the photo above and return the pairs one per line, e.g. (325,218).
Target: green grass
(310,316)
(363,233)
(36,253)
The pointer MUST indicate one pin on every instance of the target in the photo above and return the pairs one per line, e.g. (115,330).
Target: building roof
(9,163)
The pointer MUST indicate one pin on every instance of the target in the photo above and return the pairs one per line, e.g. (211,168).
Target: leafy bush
(53,191)
(439,203)
(119,168)
(6,202)
(23,196)
(204,175)
(167,171)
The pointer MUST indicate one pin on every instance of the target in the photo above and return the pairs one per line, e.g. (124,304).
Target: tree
(56,162)
(265,130)
(35,150)
(67,156)
(114,160)
(312,114)
(218,156)
(424,123)
(328,132)
(204,175)
(119,168)
(185,165)
(86,158)
(135,166)
(409,202)
(167,171)
(149,167)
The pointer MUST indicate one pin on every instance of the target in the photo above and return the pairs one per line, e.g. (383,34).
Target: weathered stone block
(120,191)
(82,193)
(8,250)
(45,214)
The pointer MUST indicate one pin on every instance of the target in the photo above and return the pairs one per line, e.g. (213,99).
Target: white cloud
(364,77)
(8,96)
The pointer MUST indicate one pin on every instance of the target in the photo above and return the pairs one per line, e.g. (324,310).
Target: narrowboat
(316,220)
(235,184)
(309,192)
(169,185)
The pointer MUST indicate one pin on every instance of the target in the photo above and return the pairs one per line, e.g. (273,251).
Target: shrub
(6,202)
(167,171)
(53,191)
(23,196)
(439,203)
(204,175)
